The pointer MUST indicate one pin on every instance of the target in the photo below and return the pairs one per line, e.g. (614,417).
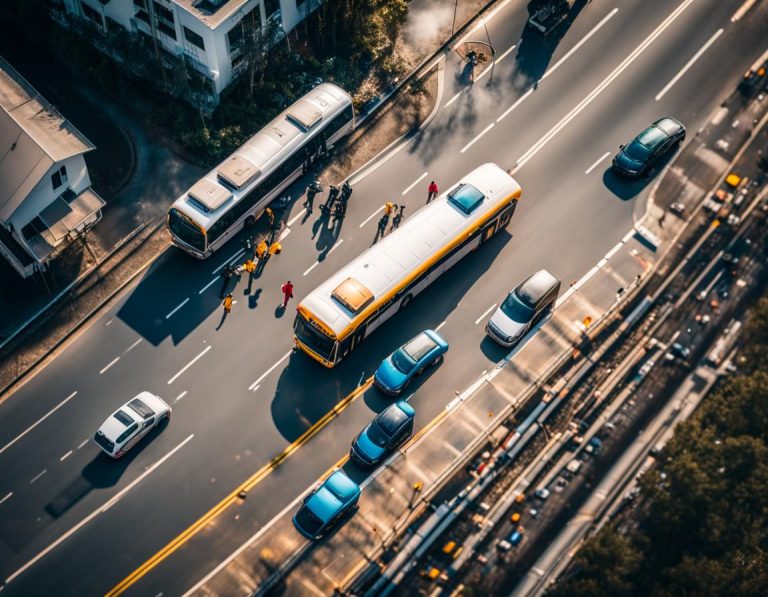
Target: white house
(46,198)
(208,34)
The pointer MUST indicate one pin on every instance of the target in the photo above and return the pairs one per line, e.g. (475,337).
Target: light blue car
(398,369)
(326,505)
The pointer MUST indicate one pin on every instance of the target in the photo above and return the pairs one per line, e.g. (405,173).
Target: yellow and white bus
(335,317)
(241,187)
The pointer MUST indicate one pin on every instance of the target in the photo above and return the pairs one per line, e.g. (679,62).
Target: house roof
(33,137)
(211,13)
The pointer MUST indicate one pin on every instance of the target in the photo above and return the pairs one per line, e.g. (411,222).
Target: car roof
(342,486)
(392,417)
(533,289)
(324,504)
(419,346)
(652,137)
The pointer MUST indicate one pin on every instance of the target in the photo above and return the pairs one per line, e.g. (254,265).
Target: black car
(388,431)
(648,147)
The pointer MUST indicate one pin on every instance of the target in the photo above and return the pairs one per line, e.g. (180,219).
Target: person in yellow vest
(261,249)
(275,248)
(389,207)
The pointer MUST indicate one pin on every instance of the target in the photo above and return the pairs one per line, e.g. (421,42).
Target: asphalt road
(75,522)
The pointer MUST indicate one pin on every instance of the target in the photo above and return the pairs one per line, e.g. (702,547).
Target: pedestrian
(432,191)
(398,217)
(287,290)
(383,221)
(389,207)
(275,248)
(228,303)
(249,266)
(271,217)
(261,249)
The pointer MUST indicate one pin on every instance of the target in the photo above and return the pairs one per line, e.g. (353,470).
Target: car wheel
(406,301)
(250,221)
(438,360)
(164,420)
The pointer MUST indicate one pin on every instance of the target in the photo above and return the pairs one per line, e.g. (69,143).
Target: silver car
(523,308)
(132,421)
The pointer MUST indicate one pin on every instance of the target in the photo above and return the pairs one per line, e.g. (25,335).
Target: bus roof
(255,159)
(423,237)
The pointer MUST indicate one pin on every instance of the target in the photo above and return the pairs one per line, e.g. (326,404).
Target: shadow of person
(280,311)
(223,318)
(253,300)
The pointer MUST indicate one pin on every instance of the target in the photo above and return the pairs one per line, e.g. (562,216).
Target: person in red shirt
(287,290)
(432,191)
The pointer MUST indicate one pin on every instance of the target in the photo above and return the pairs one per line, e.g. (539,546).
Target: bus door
(359,334)
(488,231)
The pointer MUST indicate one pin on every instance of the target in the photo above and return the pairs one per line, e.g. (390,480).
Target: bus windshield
(313,338)
(185,230)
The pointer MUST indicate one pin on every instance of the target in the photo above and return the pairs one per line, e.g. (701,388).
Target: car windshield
(123,417)
(140,408)
(390,419)
(377,435)
(652,137)
(516,310)
(419,347)
(637,151)
(308,521)
(402,361)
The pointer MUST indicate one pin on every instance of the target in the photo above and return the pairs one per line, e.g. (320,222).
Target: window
(127,433)
(56,180)
(143,15)
(167,29)
(247,26)
(271,8)
(140,3)
(161,12)
(194,39)
(63,173)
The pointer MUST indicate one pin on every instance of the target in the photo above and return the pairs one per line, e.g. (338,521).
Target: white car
(132,421)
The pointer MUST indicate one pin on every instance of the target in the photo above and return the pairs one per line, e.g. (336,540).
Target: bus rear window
(313,338)
(466,197)
(185,231)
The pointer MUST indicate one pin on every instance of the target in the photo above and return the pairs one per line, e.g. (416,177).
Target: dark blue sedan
(388,431)
(636,158)
(326,505)
(397,370)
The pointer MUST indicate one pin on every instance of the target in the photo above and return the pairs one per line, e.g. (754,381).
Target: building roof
(33,137)
(211,13)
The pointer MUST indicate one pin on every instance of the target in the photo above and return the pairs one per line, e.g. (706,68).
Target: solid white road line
(67,455)
(541,143)
(369,218)
(207,286)
(311,267)
(188,365)
(600,159)
(179,306)
(228,261)
(255,537)
(180,396)
(476,139)
(40,420)
(37,476)
(515,105)
(110,364)
(491,308)
(284,233)
(594,30)
(414,183)
(252,387)
(689,64)
(441,325)
(10,493)
(95,513)
(743,9)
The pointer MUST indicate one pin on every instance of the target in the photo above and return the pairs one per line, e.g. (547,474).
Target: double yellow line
(232,498)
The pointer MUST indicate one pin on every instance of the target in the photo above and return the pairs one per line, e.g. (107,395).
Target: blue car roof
(324,504)
(342,486)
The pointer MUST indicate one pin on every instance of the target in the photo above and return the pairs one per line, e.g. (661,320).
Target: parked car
(523,308)
(326,505)
(131,422)
(638,156)
(542,493)
(412,358)
(390,429)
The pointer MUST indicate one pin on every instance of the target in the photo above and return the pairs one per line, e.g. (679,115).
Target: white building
(46,198)
(208,34)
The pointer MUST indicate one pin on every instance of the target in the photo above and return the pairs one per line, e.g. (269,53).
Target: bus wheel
(406,301)
(250,221)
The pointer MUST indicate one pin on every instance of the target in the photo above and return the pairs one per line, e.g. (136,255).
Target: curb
(159,258)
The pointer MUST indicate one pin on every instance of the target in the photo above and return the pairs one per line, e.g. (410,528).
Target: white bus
(334,318)
(241,187)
